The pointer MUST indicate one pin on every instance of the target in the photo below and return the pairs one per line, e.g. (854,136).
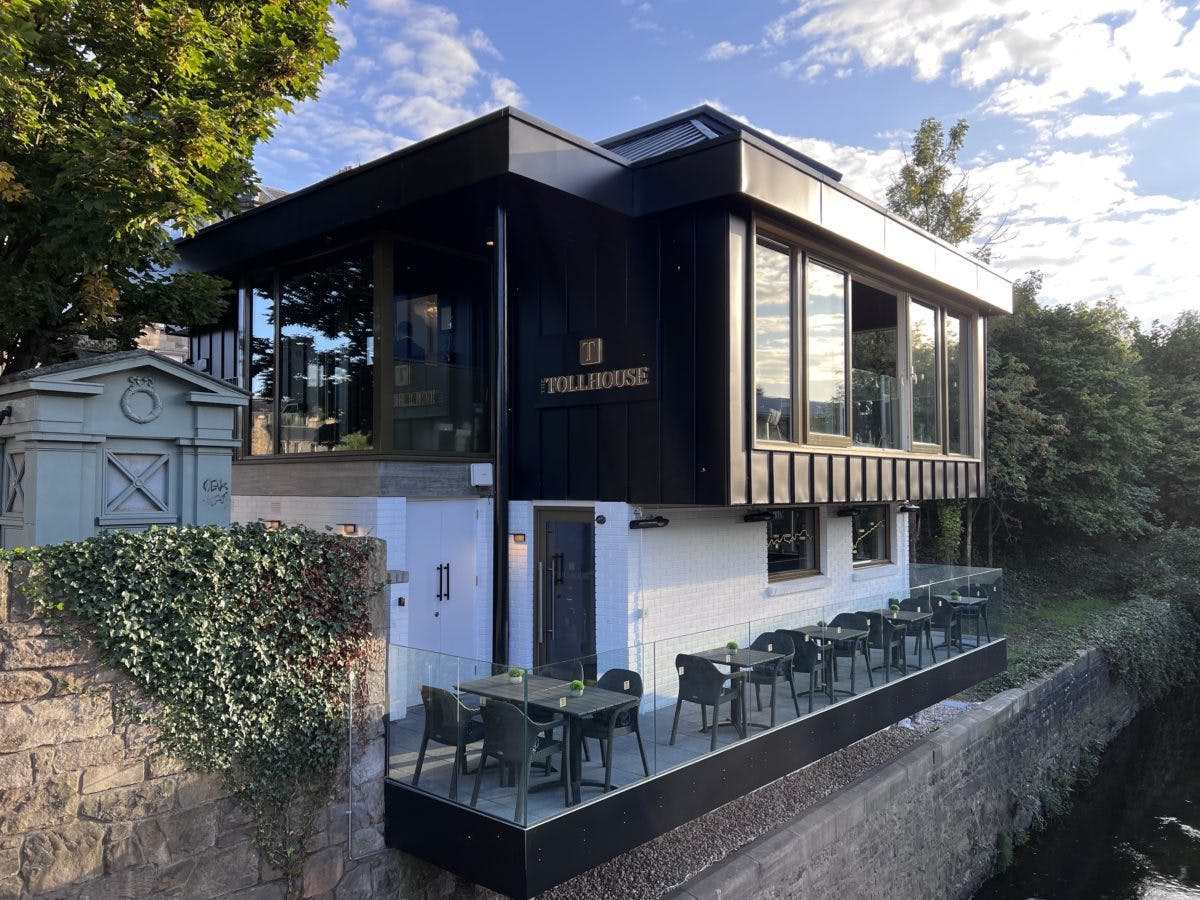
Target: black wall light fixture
(651,522)
(846,512)
(762,515)
(909,507)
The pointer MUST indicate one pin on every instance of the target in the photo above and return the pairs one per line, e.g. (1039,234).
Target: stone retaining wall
(90,808)
(925,826)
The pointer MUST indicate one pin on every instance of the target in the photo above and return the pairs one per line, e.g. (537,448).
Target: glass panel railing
(559,735)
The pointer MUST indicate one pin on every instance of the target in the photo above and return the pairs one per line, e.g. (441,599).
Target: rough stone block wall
(926,824)
(91,808)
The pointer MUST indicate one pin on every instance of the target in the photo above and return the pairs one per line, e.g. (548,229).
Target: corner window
(440,369)
(327,354)
(262,368)
(792,543)
(870,534)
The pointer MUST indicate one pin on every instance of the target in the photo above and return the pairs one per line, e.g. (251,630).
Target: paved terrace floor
(404,741)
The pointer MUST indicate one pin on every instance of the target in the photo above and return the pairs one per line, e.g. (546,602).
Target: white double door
(442,573)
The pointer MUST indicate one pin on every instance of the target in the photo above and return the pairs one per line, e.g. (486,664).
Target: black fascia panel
(353,199)
(522,862)
(698,173)
(548,156)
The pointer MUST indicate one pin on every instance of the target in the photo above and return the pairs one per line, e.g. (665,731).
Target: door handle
(447,597)
(541,599)
(440,595)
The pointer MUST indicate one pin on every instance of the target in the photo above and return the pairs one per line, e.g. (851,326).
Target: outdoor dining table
(737,660)
(918,623)
(554,696)
(826,636)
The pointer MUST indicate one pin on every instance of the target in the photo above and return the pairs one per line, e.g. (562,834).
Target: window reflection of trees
(327,312)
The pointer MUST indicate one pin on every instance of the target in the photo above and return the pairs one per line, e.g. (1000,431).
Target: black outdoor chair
(516,741)
(703,683)
(946,617)
(770,673)
(451,722)
(979,614)
(617,722)
(925,628)
(851,647)
(888,636)
(806,659)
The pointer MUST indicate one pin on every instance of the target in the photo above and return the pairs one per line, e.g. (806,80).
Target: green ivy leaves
(241,638)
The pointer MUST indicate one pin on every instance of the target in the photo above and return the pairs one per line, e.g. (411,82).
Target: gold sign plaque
(596,381)
(591,351)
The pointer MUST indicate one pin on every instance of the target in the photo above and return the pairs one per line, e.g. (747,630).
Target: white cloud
(408,70)
(1098,126)
(1032,57)
(723,50)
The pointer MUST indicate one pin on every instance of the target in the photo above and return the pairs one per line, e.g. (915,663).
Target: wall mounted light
(273,524)
(762,515)
(348,529)
(846,512)
(909,507)
(651,522)
(601,519)
(518,537)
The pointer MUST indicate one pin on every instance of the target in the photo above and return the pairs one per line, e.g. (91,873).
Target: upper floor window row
(841,361)
(319,379)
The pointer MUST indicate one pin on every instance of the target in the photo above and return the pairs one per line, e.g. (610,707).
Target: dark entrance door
(565,587)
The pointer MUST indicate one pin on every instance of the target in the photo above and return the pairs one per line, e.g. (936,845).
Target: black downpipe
(501,436)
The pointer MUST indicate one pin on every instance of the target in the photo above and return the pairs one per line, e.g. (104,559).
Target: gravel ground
(653,869)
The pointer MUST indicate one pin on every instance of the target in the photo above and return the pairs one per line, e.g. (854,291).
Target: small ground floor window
(792,543)
(870,536)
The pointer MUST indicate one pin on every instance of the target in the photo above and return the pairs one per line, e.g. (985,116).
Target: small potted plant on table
(732,645)
(515,675)
(576,688)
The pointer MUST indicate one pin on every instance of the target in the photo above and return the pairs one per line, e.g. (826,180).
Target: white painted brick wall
(703,576)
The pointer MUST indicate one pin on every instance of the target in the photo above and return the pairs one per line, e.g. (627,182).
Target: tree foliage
(120,120)
(1095,415)
(1170,360)
(930,191)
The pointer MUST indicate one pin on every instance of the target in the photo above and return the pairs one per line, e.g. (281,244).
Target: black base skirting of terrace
(522,862)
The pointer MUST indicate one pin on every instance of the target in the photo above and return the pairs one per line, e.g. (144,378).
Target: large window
(875,391)
(859,342)
(958,380)
(923,330)
(825,324)
(773,387)
(262,368)
(327,354)
(440,373)
(792,543)
(870,534)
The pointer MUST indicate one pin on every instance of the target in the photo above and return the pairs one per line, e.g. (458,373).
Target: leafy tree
(1170,359)
(120,120)
(930,191)
(1091,409)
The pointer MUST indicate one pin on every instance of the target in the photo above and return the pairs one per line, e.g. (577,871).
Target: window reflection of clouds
(772,342)
(826,321)
(923,327)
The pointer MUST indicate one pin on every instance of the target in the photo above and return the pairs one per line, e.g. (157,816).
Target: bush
(242,639)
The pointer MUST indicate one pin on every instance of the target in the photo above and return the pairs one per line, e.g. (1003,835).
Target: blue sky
(1085,114)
